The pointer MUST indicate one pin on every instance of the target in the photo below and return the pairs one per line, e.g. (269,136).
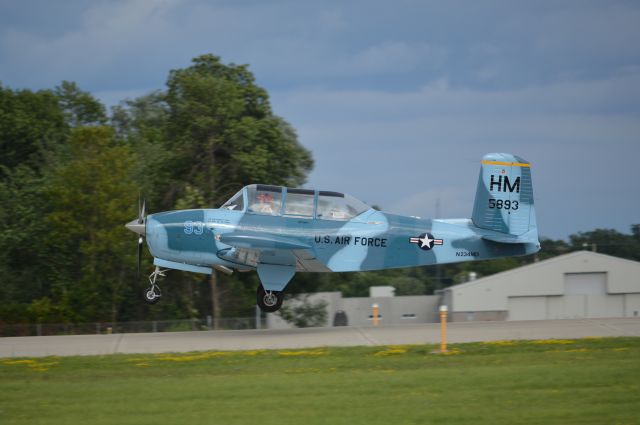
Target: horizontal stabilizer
(529,237)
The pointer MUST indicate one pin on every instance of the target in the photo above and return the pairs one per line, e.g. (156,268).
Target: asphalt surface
(71,345)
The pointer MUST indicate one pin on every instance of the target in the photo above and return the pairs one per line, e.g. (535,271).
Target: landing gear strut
(153,294)
(269,301)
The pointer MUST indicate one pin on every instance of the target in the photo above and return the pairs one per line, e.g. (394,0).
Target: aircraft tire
(151,295)
(267,304)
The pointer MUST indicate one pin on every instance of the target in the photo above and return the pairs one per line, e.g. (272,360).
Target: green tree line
(71,174)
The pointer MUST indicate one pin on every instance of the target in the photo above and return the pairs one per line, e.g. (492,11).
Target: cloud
(333,19)
(394,57)
(130,43)
(617,94)
(110,34)
(603,30)
(402,150)
(125,44)
(304,59)
(396,101)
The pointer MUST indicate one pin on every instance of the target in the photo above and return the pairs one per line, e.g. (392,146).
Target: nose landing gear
(152,294)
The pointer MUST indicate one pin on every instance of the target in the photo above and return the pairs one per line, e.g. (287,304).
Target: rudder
(504,196)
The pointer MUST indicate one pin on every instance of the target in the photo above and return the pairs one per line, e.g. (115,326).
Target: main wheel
(269,301)
(152,294)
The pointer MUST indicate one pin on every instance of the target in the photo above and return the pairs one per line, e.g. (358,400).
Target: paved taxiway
(311,337)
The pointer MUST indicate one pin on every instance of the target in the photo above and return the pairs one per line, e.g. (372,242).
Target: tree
(224,135)
(80,107)
(607,241)
(303,313)
(31,124)
(22,273)
(406,285)
(40,142)
(635,231)
(90,253)
(551,248)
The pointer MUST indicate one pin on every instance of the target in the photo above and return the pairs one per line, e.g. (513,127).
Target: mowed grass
(584,381)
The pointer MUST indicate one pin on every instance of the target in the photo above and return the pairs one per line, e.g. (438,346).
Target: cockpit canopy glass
(337,206)
(236,203)
(264,199)
(299,202)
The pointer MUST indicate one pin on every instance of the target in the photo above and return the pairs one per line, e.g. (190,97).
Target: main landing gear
(269,301)
(153,294)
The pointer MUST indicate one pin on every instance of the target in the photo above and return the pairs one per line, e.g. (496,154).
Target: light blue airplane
(279,231)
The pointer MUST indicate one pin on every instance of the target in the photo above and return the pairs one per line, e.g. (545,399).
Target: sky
(397,101)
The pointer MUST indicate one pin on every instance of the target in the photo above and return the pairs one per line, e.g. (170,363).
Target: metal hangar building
(582,284)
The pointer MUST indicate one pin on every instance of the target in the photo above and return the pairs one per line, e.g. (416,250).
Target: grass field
(585,381)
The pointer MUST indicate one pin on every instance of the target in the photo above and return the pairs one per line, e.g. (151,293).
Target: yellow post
(375,308)
(443,328)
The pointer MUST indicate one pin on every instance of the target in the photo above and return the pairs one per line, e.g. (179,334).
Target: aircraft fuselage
(372,241)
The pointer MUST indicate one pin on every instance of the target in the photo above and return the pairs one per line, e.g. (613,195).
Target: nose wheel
(152,294)
(269,301)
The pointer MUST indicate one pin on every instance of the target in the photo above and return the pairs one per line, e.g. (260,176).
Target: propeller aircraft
(278,231)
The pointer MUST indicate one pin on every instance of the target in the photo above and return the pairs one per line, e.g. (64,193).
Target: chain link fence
(41,329)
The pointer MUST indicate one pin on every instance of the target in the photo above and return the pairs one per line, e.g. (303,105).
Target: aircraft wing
(246,240)
(269,250)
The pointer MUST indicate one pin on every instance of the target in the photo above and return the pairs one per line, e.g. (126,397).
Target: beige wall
(545,279)
(478,316)
(566,307)
(632,305)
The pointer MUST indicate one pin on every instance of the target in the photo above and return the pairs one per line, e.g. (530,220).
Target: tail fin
(504,199)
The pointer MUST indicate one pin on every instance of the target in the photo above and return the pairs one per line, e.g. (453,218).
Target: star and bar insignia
(426,241)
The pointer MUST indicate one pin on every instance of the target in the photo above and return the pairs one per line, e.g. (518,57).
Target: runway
(312,337)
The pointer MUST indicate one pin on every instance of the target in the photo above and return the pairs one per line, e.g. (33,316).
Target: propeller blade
(140,240)
(141,210)
(138,226)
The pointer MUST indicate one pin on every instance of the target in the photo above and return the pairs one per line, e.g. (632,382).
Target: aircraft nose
(136,227)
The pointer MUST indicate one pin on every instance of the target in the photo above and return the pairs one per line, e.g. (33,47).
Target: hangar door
(585,296)
(585,283)
(527,308)
(591,290)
